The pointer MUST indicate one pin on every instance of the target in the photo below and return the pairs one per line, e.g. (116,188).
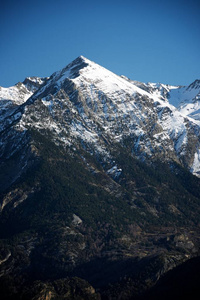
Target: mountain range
(99,182)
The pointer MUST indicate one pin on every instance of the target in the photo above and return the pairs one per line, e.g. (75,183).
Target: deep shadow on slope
(65,186)
(183,282)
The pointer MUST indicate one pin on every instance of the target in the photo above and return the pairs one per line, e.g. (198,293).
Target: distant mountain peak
(195,84)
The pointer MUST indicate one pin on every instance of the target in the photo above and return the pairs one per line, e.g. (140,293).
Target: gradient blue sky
(156,41)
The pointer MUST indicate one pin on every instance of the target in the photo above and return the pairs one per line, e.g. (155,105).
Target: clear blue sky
(155,40)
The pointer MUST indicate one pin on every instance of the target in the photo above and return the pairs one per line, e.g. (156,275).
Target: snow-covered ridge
(20,92)
(185,98)
(17,94)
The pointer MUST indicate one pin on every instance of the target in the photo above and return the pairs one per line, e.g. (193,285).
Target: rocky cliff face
(96,180)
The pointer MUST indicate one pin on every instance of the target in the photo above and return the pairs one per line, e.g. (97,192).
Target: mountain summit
(97,98)
(99,175)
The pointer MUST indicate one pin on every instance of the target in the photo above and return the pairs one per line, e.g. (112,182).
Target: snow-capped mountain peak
(93,171)
(95,77)
(85,101)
